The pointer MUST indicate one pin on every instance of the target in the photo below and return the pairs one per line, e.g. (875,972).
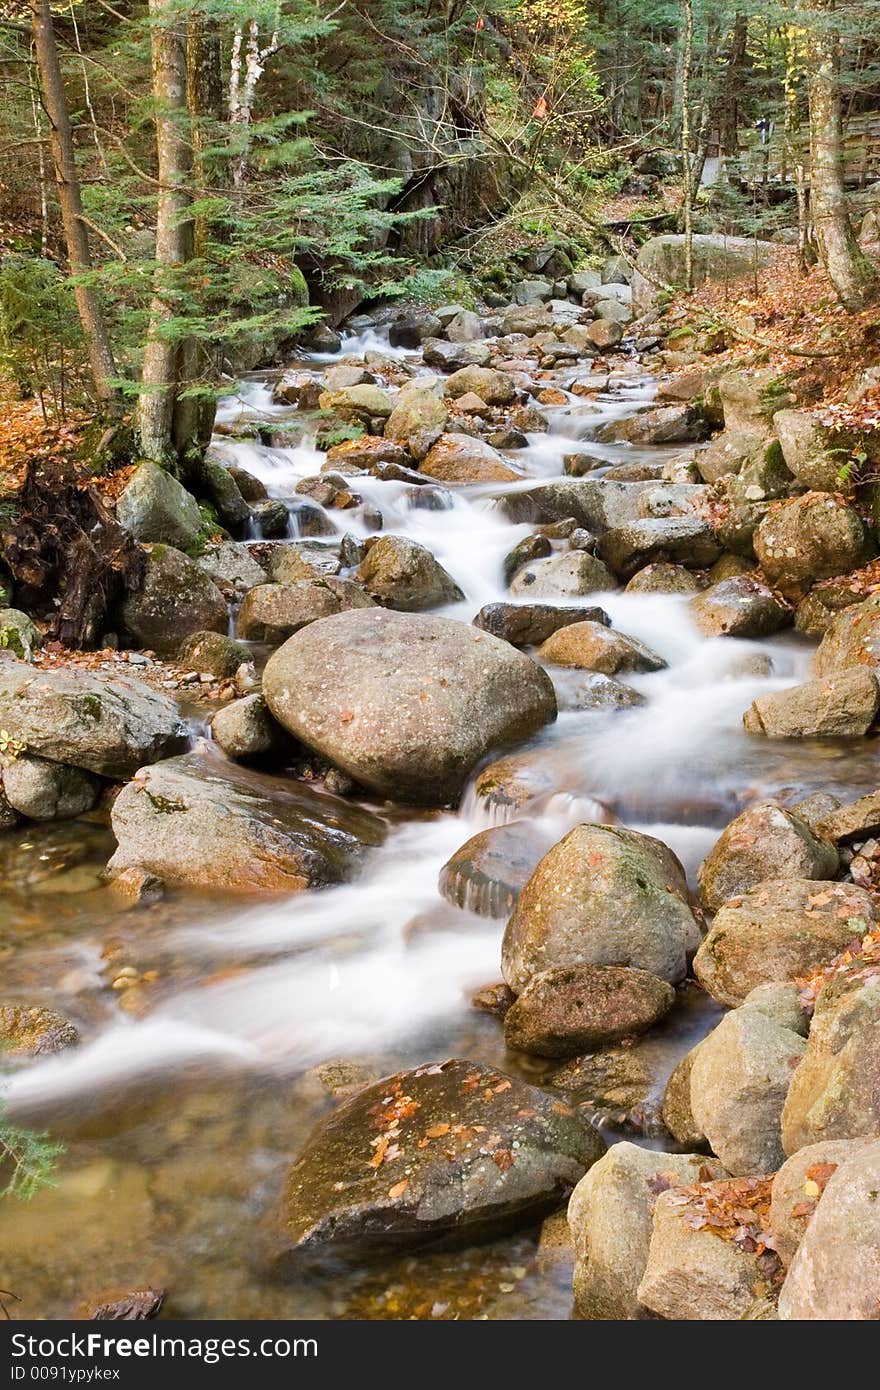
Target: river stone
(214,653)
(681,540)
(835,1274)
(231,562)
(487,873)
(155,507)
(27,1031)
(809,538)
(365,402)
(461,458)
(175,599)
(572,1008)
(603,895)
(492,387)
(766,841)
(591,690)
(273,612)
(605,333)
(597,503)
(835,1092)
(529,624)
(19,634)
(40,790)
(691,1273)
(405,703)
(570,575)
(193,824)
(109,726)
(451,357)
(843,705)
(534,547)
(9,818)
(453,1148)
(857,820)
(852,639)
(814,461)
(610,1217)
(739,607)
(676,1110)
(307,559)
(794,1197)
(739,1080)
(509,784)
(246,729)
(780,930)
(401,574)
(591,647)
(662,424)
(663,578)
(415,408)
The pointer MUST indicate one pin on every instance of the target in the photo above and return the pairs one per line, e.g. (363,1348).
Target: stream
(181,1111)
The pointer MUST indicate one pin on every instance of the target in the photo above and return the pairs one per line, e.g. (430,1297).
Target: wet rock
(453,1148)
(155,507)
(739,1080)
(136,887)
(853,639)
(796,1190)
(594,691)
(680,540)
(367,452)
(190,824)
(739,607)
(411,329)
(509,784)
(41,790)
(809,453)
(663,424)
(130,1305)
(676,1111)
(304,560)
(451,357)
(246,729)
(175,599)
(844,705)
(493,387)
(493,999)
(297,388)
(602,896)
(401,574)
(835,1274)
(251,489)
(529,548)
(108,726)
(18,634)
(27,1031)
(610,1216)
(416,408)
(486,874)
(223,492)
(9,817)
(569,1009)
(593,502)
(213,652)
(363,402)
(461,458)
(529,624)
(232,563)
(663,578)
(592,647)
(273,612)
(271,518)
(766,841)
(405,703)
(563,576)
(780,930)
(809,538)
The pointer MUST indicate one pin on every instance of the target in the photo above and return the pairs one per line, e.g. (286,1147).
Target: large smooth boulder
(405,703)
(109,726)
(809,538)
(194,825)
(809,451)
(450,1148)
(835,1274)
(400,573)
(42,791)
(364,402)
(597,503)
(493,387)
(153,506)
(843,705)
(779,931)
(687,541)
(662,424)
(610,1215)
(798,1187)
(570,575)
(603,895)
(739,607)
(852,639)
(571,1009)
(717,258)
(461,458)
(593,647)
(273,612)
(529,624)
(174,599)
(766,841)
(415,408)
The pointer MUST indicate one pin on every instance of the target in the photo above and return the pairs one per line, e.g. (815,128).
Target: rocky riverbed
(490,817)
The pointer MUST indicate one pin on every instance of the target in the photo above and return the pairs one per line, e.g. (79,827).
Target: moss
(165,805)
(210,530)
(10,639)
(297,290)
(91,705)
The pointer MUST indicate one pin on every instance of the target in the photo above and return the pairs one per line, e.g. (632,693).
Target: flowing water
(182,1109)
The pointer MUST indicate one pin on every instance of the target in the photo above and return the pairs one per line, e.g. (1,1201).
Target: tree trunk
(687,60)
(70,197)
(161,373)
(849,270)
(736,61)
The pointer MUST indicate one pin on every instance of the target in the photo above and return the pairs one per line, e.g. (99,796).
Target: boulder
(529,292)
(400,573)
(405,703)
(450,1148)
(687,541)
(739,1080)
(214,653)
(370,450)
(461,458)
(527,319)
(739,607)
(676,1111)
(153,506)
(843,705)
(603,895)
(610,1215)
(592,647)
(416,408)
(571,1009)
(672,499)
(29,1031)
(535,547)
(798,1187)
(529,624)
(809,451)
(365,402)
(835,1274)
(563,576)
(223,492)
(271,517)
(857,820)
(108,726)
(194,825)
(596,503)
(594,691)
(273,612)
(40,790)
(413,327)
(466,327)
(232,563)
(852,639)
(605,333)
(778,931)
(750,398)
(19,634)
(717,258)
(450,357)
(303,560)
(663,578)
(246,729)
(662,424)
(493,387)
(809,538)
(175,598)
(486,874)
(766,841)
